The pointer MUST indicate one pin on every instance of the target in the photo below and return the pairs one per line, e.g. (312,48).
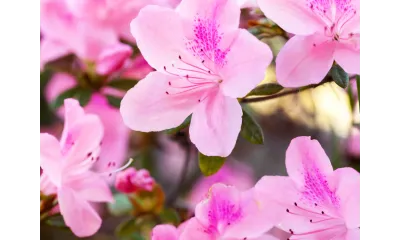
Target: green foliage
(122,84)
(251,130)
(340,77)
(113,101)
(266,89)
(209,165)
(83,95)
(179,128)
(120,206)
(170,215)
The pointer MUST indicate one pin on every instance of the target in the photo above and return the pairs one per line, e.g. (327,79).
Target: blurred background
(327,113)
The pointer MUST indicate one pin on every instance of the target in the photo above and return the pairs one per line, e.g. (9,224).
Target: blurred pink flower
(67,163)
(227,213)
(314,202)
(132,180)
(201,69)
(326,31)
(232,173)
(247,3)
(116,135)
(353,142)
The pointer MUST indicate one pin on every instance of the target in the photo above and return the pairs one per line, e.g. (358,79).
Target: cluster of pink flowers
(195,60)
(313,202)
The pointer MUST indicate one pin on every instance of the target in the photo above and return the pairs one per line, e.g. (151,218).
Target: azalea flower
(228,213)
(203,62)
(131,180)
(67,170)
(327,31)
(314,202)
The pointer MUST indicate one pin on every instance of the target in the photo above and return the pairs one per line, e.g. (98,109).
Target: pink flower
(66,164)
(116,134)
(112,58)
(164,232)
(114,14)
(228,213)
(327,31)
(315,202)
(130,180)
(232,173)
(353,142)
(203,62)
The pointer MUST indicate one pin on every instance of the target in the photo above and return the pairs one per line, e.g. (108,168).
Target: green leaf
(120,206)
(170,215)
(122,84)
(358,89)
(59,101)
(126,229)
(83,95)
(251,130)
(266,89)
(340,77)
(180,127)
(114,101)
(351,97)
(209,165)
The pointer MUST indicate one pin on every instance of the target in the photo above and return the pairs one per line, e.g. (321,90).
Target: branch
(289,92)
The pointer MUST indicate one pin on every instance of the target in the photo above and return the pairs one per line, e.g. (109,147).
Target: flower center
(322,223)
(335,14)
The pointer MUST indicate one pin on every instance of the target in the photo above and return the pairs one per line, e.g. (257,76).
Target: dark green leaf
(251,130)
(114,101)
(266,89)
(83,95)
(59,101)
(127,228)
(120,206)
(170,215)
(340,77)
(351,97)
(62,64)
(210,164)
(358,89)
(180,127)
(122,84)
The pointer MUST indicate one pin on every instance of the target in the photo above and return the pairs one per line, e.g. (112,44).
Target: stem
(174,195)
(289,92)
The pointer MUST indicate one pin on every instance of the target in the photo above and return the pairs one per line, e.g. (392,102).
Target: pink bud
(113,58)
(130,181)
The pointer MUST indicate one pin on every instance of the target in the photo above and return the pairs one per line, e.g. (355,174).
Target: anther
(89,154)
(167,92)
(180,57)
(169,83)
(295,203)
(291,231)
(322,212)
(287,210)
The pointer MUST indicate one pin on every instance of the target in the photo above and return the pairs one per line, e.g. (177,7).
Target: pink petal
(220,209)
(164,232)
(276,193)
(346,181)
(115,143)
(256,218)
(348,57)
(147,107)
(305,156)
(46,185)
(50,157)
(90,187)
(59,83)
(244,69)
(225,12)
(292,15)
(86,135)
(73,112)
(78,214)
(215,125)
(159,36)
(51,50)
(301,63)
(194,230)
(112,58)
(353,234)
(353,26)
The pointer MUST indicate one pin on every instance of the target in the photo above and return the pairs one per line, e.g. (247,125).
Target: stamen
(109,173)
